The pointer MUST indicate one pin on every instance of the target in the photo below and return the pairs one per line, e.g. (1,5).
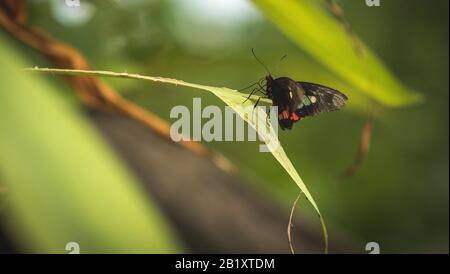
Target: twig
(290,224)
(366,132)
(339,15)
(363,147)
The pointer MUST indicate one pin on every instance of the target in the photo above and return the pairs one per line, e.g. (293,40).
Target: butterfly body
(296,100)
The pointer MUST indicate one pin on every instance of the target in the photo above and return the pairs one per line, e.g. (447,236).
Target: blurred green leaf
(311,27)
(63,182)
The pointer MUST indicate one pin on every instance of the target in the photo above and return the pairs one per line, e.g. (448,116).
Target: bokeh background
(52,192)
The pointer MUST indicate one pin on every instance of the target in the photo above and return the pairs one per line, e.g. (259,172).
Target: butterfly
(297,100)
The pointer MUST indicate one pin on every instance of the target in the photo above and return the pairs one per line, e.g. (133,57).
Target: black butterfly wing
(318,99)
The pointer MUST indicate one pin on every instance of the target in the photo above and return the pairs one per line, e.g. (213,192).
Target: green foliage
(63,182)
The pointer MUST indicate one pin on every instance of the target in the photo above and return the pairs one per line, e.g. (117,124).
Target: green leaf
(62,182)
(237,101)
(310,26)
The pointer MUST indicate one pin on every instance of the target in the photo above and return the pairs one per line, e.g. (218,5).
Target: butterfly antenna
(259,61)
(279,62)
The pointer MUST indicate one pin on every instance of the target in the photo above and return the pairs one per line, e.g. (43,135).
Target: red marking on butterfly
(295,117)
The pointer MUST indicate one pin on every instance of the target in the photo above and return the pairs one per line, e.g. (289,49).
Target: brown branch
(363,147)
(15,9)
(339,15)
(92,91)
(366,132)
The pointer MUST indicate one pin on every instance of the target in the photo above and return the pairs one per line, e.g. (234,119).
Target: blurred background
(70,171)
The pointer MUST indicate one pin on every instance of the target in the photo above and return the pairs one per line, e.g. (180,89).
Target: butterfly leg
(263,88)
(257,102)
(251,93)
(252,85)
